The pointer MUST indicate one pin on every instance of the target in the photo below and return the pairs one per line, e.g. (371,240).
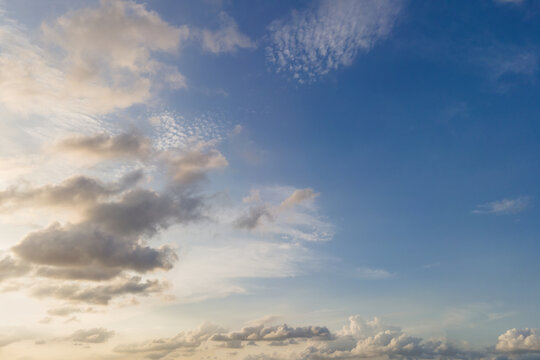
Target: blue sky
(363,171)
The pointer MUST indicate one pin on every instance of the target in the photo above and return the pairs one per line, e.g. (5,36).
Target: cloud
(158,348)
(253,197)
(227,39)
(252,218)
(191,165)
(106,146)
(101,294)
(79,272)
(371,273)
(10,268)
(112,46)
(504,206)
(513,62)
(109,239)
(79,190)
(298,196)
(80,247)
(374,339)
(275,333)
(329,35)
(519,341)
(95,60)
(67,310)
(91,336)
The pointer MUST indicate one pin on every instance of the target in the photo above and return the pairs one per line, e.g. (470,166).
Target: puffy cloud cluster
(329,35)
(275,333)
(373,339)
(159,348)
(110,239)
(519,341)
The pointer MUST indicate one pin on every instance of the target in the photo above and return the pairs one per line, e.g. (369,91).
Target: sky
(269,180)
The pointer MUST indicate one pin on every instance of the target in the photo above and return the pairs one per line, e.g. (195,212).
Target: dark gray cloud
(93,273)
(74,192)
(275,333)
(145,212)
(102,294)
(111,237)
(106,146)
(91,336)
(116,220)
(252,218)
(77,247)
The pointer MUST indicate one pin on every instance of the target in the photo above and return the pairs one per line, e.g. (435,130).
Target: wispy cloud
(228,38)
(328,35)
(372,273)
(504,206)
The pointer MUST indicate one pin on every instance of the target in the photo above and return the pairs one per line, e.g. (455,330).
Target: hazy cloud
(299,196)
(96,60)
(375,274)
(189,166)
(67,310)
(252,218)
(227,38)
(328,35)
(92,336)
(161,347)
(504,206)
(10,268)
(102,294)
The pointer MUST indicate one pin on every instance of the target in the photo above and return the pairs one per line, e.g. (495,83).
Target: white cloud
(519,341)
(328,35)
(504,206)
(299,196)
(227,38)
(96,60)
